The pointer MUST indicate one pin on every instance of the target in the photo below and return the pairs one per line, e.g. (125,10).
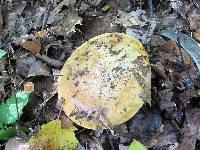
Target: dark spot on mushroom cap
(76,83)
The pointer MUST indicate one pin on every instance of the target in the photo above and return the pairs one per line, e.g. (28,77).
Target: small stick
(50,61)
(150,8)
(45,18)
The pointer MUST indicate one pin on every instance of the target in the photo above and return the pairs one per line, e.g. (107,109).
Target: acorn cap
(105,81)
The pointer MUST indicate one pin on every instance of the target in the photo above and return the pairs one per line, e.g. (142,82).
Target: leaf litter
(37,37)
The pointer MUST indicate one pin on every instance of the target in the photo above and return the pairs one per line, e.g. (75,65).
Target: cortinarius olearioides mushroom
(105,81)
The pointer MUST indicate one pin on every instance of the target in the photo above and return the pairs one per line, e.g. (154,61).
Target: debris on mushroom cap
(105,81)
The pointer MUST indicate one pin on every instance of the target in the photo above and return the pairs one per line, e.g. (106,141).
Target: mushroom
(105,81)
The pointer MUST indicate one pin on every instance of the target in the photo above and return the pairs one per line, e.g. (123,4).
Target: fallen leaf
(130,19)
(7,132)
(12,108)
(32,46)
(186,57)
(39,16)
(140,123)
(169,46)
(190,130)
(95,144)
(188,43)
(65,122)
(193,18)
(24,62)
(168,138)
(53,137)
(38,69)
(144,34)
(176,4)
(66,26)
(197,34)
(54,15)
(166,102)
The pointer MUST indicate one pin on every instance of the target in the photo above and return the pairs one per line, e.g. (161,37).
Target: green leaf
(52,136)
(12,108)
(6,133)
(9,132)
(2,53)
(135,145)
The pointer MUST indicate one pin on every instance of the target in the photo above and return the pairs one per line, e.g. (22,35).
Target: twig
(45,18)
(150,8)
(51,62)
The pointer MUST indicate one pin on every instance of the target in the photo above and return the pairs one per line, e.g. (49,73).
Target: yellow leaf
(105,8)
(52,137)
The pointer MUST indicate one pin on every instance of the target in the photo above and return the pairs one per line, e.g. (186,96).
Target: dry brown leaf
(169,46)
(32,46)
(186,57)
(190,130)
(197,34)
(65,122)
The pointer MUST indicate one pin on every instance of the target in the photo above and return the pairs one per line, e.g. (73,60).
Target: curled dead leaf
(65,122)
(197,34)
(32,46)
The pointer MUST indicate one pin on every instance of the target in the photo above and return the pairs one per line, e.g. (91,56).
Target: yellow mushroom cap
(105,81)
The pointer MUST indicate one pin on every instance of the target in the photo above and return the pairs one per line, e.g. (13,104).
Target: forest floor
(37,37)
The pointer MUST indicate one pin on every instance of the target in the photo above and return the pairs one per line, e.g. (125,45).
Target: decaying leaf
(66,26)
(65,122)
(38,69)
(54,15)
(142,34)
(187,43)
(32,46)
(51,136)
(24,62)
(95,144)
(193,17)
(131,19)
(176,4)
(105,81)
(190,130)
(168,139)
(197,34)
